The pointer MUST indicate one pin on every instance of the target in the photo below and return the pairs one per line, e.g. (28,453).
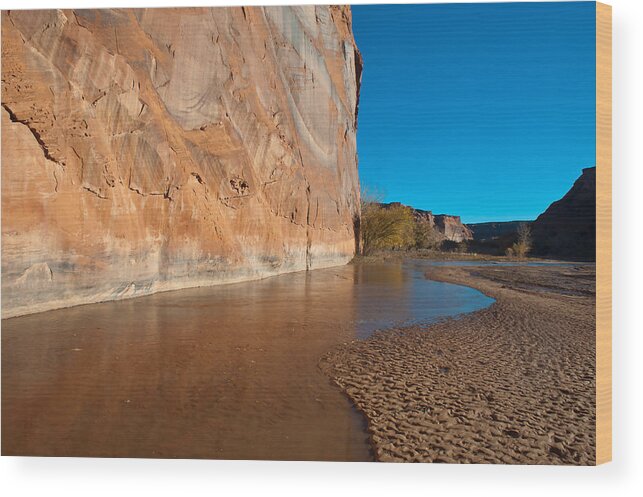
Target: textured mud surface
(514,383)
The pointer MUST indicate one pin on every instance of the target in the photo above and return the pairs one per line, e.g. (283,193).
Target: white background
(97,477)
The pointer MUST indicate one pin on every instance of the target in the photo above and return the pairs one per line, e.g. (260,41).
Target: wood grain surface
(603,233)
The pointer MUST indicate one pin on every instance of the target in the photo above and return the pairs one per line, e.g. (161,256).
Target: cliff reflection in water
(219,372)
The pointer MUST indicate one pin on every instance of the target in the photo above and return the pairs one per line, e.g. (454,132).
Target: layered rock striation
(157,149)
(452,228)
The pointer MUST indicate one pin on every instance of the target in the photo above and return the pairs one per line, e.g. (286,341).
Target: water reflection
(398,294)
(220,372)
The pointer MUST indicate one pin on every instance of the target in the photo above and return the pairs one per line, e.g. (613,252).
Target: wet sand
(513,383)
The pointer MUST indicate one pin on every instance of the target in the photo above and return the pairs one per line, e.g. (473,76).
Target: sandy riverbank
(514,383)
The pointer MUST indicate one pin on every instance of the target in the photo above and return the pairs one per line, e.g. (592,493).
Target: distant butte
(448,226)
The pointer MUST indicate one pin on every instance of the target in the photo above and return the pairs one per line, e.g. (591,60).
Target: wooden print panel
(603,233)
(194,147)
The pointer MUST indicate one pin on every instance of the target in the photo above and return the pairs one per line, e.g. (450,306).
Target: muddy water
(221,372)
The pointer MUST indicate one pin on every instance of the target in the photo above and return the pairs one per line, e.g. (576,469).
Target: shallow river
(219,372)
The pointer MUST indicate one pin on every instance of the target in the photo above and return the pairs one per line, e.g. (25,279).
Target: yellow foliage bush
(390,227)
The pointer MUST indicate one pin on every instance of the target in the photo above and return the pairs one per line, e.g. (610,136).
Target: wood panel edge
(603,233)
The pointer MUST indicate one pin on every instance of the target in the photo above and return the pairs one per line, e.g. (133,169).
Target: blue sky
(486,111)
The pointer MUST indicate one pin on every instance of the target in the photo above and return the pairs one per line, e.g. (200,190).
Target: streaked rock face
(157,149)
(452,228)
(449,227)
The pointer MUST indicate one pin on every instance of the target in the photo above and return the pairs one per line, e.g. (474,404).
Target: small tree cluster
(426,236)
(382,228)
(523,244)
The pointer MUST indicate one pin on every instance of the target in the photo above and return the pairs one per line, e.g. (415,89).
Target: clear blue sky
(486,111)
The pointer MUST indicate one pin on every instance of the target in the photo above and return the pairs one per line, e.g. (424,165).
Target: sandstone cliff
(157,149)
(452,228)
(567,229)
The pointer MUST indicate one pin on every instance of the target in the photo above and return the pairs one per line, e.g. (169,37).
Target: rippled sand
(514,383)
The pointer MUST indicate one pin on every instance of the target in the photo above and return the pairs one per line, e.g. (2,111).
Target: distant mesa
(494,230)
(447,226)
(566,230)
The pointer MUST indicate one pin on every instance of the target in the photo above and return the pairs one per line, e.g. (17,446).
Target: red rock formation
(452,228)
(157,149)
(567,229)
(449,227)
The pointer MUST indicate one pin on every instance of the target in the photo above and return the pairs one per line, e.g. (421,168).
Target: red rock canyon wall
(158,149)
